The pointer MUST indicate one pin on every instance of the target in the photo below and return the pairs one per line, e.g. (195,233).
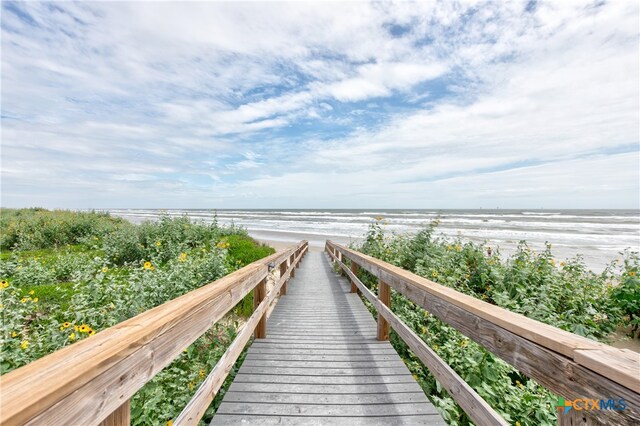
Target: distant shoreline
(597,235)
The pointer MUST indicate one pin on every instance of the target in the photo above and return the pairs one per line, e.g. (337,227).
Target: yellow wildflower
(72,336)
(66,324)
(553,262)
(14,334)
(415,377)
(104,270)
(24,300)
(148,265)
(1,306)
(449,247)
(458,248)
(170,423)
(424,330)
(35,300)
(24,344)
(520,385)
(91,332)
(182,257)
(464,343)
(32,292)
(434,274)
(436,347)
(4,284)
(84,328)
(518,423)
(562,263)
(201,373)
(76,328)
(632,274)
(158,243)
(191,385)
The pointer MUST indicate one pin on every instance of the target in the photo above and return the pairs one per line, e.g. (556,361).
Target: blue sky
(307,105)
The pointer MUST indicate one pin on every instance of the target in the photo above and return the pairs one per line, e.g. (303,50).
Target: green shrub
(563,294)
(54,295)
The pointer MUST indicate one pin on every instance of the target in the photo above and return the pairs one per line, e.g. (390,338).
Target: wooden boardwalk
(321,363)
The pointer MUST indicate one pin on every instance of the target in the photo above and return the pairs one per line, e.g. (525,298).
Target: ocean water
(598,235)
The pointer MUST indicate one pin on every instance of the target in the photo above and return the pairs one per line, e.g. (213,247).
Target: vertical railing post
(293,269)
(384,295)
(259,293)
(120,417)
(354,270)
(578,418)
(283,270)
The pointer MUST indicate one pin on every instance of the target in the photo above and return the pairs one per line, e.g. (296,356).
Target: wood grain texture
(613,363)
(384,296)
(354,271)
(207,391)
(305,373)
(553,369)
(472,403)
(259,294)
(120,417)
(545,335)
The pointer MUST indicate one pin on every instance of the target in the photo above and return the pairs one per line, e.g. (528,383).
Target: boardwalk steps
(322,364)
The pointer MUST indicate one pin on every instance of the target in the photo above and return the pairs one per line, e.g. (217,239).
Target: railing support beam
(384,294)
(259,293)
(354,269)
(120,417)
(283,270)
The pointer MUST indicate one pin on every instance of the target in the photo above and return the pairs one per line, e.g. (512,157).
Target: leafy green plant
(564,294)
(53,295)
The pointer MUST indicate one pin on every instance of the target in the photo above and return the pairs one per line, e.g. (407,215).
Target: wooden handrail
(565,363)
(95,377)
(472,403)
(198,405)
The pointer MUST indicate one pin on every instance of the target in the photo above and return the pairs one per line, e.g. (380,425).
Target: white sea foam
(598,234)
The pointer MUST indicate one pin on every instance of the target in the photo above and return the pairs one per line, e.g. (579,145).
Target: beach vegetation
(563,294)
(64,276)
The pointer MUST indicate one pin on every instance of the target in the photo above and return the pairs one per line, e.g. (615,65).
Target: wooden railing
(92,381)
(567,364)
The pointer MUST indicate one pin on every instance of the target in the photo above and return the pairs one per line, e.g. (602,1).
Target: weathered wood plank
(326,389)
(120,417)
(324,399)
(417,420)
(354,271)
(614,364)
(327,380)
(368,364)
(472,403)
(548,336)
(259,294)
(317,361)
(327,371)
(384,295)
(317,357)
(198,405)
(302,410)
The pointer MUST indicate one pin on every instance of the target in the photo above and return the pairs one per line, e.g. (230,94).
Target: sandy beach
(282,240)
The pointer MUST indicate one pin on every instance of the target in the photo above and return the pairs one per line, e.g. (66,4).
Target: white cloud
(195,102)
